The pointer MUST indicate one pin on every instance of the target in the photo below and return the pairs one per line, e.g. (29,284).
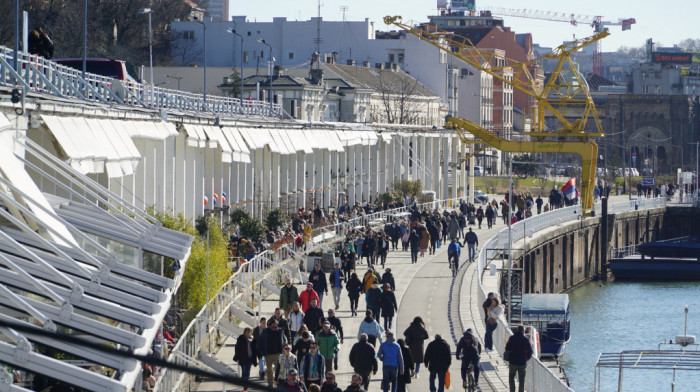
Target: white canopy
(93,145)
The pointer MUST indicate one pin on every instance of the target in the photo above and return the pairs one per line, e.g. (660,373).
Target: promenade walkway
(426,289)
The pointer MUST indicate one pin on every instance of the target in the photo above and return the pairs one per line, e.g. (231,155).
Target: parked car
(480,197)
(479,171)
(115,69)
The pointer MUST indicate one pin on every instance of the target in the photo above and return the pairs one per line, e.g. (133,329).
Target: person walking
(468,350)
(373,299)
(328,343)
(393,366)
(479,215)
(244,354)
(495,311)
(382,249)
(272,341)
(320,284)
(291,384)
(347,259)
(370,277)
(257,331)
(354,288)
(307,296)
(371,327)
(313,314)
(414,242)
(356,384)
(363,360)
(387,277)
(415,336)
(313,366)
(329,385)
(490,216)
(438,358)
(295,320)
(387,302)
(520,352)
(336,326)
(336,278)
(288,296)
(285,363)
(471,241)
(424,240)
(408,364)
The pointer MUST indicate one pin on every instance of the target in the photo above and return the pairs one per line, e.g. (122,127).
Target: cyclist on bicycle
(453,252)
(469,349)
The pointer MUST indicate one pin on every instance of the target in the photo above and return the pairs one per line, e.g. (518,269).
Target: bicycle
(453,265)
(471,384)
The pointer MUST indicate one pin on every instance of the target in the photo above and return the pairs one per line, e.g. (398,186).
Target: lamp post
(232,31)
(262,41)
(150,44)
(178,78)
(85,10)
(204,26)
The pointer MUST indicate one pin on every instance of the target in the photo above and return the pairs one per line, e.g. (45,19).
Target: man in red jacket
(306,296)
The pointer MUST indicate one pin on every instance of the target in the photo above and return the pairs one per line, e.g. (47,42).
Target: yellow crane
(566,88)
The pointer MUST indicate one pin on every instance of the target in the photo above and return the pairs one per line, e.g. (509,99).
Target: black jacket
(330,388)
(387,277)
(335,323)
(363,358)
(241,352)
(408,365)
(438,356)
(341,277)
(311,317)
(319,281)
(271,342)
(282,324)
(468,347)
(354,287)
(374,297)
(520,348)
(388,303)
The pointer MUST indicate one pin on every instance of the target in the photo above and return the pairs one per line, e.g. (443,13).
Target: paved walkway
(449,306)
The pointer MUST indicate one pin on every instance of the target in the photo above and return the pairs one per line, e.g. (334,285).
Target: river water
(616,316)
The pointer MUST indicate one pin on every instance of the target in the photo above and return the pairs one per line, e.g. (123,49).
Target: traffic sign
(648,181)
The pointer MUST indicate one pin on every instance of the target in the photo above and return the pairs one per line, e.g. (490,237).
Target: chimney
(278,71)
(316,75)
(366,64)
(351,62)
(379,65)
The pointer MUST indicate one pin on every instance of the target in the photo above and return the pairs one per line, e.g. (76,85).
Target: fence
(539,377)
(36,74)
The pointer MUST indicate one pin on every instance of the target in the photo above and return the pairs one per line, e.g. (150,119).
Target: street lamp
(204,26)
(178,78)
(272,60)
(150,44)
(232,31)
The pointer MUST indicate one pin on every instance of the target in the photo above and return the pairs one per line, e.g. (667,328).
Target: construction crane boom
(566,87)
(596,22)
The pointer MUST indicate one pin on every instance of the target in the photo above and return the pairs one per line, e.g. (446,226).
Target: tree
(275,219)
(399,97)
(406,188)
(184,51)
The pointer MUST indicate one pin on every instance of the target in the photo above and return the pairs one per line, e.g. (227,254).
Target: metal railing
(39,75)
(381,217)
(242,291)
(539,377)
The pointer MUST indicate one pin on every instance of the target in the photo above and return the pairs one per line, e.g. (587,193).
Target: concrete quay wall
(562,257)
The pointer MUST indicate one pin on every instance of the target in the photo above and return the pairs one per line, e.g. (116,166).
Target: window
(245,57)
(401,57)
(391,58)
(291,55)
(188,34)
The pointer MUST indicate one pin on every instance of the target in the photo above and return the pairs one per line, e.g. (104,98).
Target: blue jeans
(472,250)
(245,371)
(441,381)
(391,375)
(320,299)
(488,338)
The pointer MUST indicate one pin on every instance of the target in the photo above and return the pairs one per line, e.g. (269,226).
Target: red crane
(596,22)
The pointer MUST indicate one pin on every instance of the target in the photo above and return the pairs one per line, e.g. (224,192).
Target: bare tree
(184,51)
(399,97)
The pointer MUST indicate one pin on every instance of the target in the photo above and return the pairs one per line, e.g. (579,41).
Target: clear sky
(667,22)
